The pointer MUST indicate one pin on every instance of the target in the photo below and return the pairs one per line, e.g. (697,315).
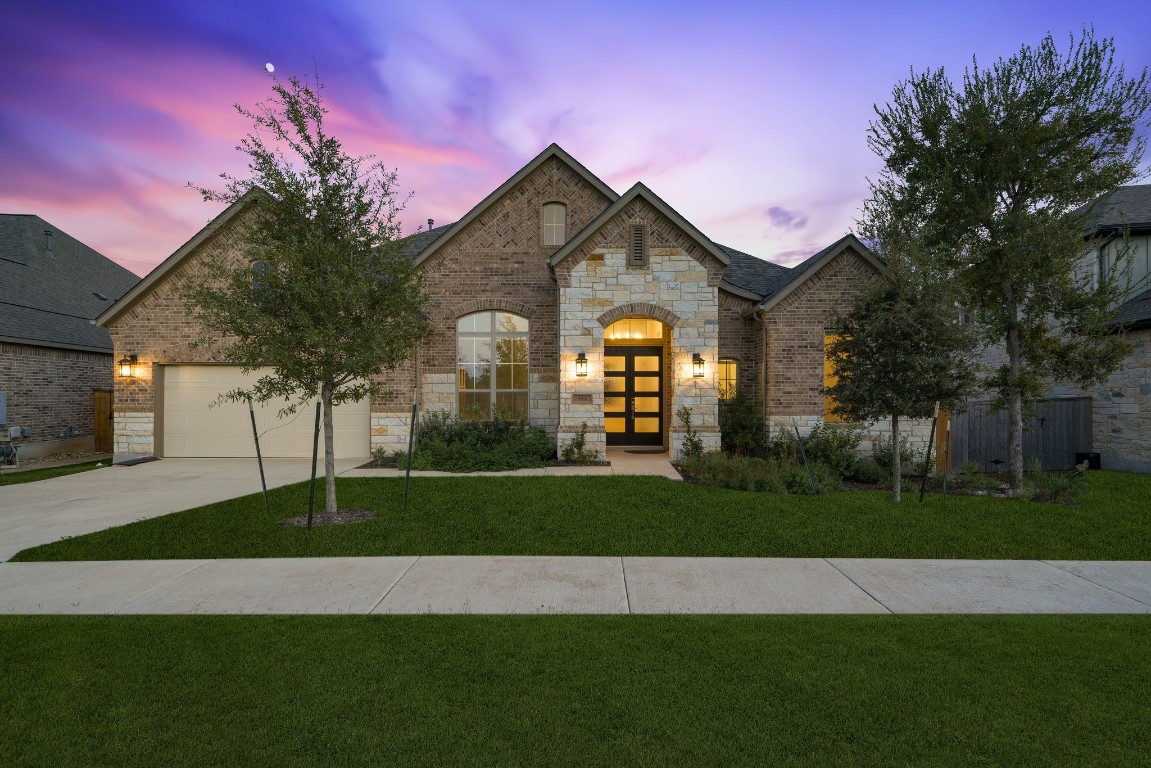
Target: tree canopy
(900,351)
(321,294)
(993,181)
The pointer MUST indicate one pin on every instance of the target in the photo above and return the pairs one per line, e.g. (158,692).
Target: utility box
(3,408)
(1092,459)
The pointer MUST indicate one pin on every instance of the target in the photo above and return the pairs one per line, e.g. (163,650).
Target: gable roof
(639,190)
(798,274)
(751,274)
(51,287)
(553,150)
(181,253)
(1125,207)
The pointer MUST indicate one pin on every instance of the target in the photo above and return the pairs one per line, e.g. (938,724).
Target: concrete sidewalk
(574,585)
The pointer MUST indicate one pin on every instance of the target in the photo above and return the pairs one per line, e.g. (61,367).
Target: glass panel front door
(633,395)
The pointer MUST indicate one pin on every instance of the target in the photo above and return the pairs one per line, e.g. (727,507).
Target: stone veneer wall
(1121,409)
(50,392)
(678,286)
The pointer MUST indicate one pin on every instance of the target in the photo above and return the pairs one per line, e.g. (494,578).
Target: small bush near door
(476,444)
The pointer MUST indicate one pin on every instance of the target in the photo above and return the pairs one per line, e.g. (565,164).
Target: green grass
(8,477)
(639,516)
(579,691)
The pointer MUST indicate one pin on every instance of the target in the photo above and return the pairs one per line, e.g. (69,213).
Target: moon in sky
(269,67)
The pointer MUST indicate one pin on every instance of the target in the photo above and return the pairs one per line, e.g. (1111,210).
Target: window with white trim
(492,355)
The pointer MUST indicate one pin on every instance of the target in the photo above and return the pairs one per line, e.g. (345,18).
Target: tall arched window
(553,224)
(492,354)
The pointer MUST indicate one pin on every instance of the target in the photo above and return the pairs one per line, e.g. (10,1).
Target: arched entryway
(637,395)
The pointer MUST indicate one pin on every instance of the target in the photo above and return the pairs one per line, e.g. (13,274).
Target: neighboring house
(555,298)
(55,365)
(1121,406)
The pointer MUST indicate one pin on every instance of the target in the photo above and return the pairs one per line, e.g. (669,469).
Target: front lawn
(639,516)
(12,477)
(579,691)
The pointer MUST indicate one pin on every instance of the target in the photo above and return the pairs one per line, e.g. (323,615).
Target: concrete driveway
(38,513)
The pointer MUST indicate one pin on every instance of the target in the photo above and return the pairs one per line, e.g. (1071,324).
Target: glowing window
(728,376)
(829,379)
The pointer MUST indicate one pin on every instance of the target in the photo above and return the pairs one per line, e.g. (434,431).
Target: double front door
(633,395)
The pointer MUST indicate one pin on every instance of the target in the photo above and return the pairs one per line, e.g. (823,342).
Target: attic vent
(48,243)
(637,246)
(99,296)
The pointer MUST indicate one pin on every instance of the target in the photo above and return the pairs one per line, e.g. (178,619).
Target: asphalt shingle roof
(49,296)
(1125,207)
(753,274)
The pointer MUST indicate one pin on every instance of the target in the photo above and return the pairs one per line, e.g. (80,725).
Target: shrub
(692,446)
(909,458)
(1054,487)
(741,428)
(836,447)
(823,476)
(469,444)
(741,473)
(867,471)
(576,451)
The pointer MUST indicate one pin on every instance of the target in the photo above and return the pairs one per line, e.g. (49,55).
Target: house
(55,366)
(1121,406)
(555,298)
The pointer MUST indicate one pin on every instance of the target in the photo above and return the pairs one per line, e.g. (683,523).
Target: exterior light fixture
(125,365)
(697,365)
(581,364)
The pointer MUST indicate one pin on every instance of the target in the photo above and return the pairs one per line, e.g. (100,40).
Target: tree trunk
(329,449)
(1014,394)
(896,470)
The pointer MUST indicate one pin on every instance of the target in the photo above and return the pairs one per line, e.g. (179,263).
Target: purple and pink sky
(749,118)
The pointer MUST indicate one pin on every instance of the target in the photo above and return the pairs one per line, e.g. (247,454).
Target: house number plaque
(581,399)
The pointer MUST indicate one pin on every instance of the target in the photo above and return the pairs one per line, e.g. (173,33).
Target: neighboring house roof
(1135,313)
(173,261)
(553,150)
(639,191)
(51,287)
(1126,207)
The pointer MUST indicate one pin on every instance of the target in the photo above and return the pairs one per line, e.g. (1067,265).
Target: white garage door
(193,429)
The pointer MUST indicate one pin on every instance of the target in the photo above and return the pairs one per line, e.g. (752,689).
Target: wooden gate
(1058,430)
(102,420)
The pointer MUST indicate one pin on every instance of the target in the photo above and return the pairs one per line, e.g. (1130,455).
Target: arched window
(728,378)
(553,224)
(492,354)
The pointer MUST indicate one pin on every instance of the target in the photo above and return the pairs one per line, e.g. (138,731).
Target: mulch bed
(340,517)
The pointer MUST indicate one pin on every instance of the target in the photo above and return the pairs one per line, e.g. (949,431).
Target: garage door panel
(193,427)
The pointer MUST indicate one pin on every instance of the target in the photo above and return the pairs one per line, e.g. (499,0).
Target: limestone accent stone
(133,433)
(676,266)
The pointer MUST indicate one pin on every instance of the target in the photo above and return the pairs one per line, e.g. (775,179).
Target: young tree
(994,180)
(321,294)
(900,351)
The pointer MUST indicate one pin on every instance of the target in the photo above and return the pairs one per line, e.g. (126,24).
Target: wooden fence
(1059,429)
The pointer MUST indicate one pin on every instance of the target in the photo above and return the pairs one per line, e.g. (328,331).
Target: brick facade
(50,392)
(497,261)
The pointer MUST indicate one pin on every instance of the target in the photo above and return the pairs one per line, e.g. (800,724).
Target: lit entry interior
(633,382)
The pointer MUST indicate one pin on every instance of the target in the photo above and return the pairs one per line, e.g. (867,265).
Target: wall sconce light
(125,365)
(581,364)
(697,365)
